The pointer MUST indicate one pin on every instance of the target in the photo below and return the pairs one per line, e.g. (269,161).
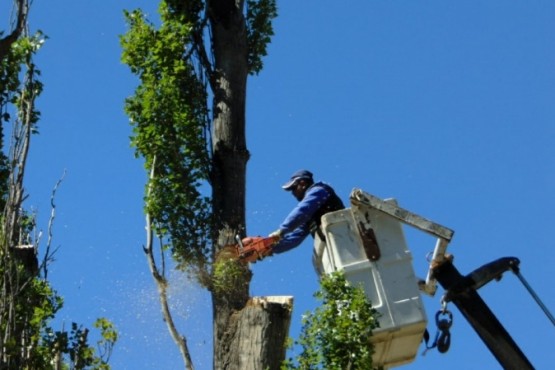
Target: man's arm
(291,240)
(296,227)
(303,212)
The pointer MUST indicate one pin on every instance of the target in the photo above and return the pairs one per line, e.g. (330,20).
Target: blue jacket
(319,199)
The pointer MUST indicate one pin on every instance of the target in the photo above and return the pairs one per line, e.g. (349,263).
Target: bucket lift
(367,243)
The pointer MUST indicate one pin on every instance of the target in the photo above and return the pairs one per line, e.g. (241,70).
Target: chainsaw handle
(240,243)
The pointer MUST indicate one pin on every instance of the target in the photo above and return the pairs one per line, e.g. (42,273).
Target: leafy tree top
(171,119)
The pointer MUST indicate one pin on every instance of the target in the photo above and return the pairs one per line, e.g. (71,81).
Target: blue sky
(445,106)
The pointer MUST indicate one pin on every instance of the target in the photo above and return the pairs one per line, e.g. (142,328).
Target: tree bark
(229,84)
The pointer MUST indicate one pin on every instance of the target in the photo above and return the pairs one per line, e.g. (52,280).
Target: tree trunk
(248,334)
(230,158)
(229,41)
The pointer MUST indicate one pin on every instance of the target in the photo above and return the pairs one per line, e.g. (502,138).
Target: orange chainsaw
(254,248)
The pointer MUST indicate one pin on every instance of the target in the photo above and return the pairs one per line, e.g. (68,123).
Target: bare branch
(162,283)
(49,253)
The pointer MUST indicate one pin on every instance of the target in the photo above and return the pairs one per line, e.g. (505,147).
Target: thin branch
(198,43)
(162,283)
(49,253)
(202,55)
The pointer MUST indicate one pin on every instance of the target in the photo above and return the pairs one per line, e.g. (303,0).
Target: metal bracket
(444,235)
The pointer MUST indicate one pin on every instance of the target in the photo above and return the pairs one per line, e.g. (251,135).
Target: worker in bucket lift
(315,200)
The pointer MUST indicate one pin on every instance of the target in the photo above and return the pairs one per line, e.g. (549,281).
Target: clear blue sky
(446,106)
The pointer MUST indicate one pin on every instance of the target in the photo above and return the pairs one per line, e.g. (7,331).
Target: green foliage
(35,306)
(169,117)
(259,31)
(229,275)
(31,342)
(71,349)
(11,86)
(336,336)
(109,336)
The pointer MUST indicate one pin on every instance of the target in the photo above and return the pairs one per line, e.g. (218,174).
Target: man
(315,200)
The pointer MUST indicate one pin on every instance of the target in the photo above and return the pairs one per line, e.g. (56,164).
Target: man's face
(299,189)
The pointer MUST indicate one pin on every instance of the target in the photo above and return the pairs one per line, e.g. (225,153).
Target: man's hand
(276,235)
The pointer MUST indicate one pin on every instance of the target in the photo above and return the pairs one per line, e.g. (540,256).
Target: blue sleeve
(303,212)
(296,225)
(291,240)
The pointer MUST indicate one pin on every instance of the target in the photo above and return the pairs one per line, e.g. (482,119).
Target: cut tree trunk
(263,332)
(262,329)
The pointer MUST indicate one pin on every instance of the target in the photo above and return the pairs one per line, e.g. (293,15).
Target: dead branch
(162,284)
(49,252)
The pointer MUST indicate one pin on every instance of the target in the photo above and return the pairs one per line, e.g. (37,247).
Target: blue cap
(301,174)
